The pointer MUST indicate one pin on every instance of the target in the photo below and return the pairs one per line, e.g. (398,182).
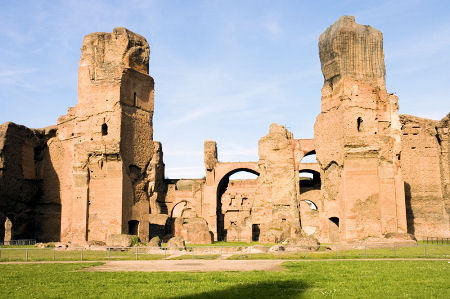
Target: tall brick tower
(357,137)
(107,164)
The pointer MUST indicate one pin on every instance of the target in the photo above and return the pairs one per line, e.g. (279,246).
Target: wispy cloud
(16,72)
(17,77)
(273,27)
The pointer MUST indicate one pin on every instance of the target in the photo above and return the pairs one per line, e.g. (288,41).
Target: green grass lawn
(48,254)
(375,279)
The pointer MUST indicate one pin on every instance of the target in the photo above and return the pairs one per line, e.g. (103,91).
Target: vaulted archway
(233,208)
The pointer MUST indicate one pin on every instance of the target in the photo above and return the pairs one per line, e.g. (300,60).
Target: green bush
(135,240)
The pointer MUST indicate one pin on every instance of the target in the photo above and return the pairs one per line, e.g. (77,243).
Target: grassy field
(375,279)
(49,254)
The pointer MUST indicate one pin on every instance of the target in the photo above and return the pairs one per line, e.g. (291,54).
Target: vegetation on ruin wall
(227,244)
(375,279)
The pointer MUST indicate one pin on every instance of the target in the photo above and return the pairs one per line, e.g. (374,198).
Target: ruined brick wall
(184,201)
(425,165)
(237,203)
(357,136)
(275,207)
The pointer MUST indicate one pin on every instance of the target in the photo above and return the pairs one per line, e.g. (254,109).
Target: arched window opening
(104,129)
(335,220)
(311,205)
(133,226)
(309,180)
(359,122)
(309,157)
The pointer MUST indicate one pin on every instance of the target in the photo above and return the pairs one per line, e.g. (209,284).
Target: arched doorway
(333,229)
(235,194)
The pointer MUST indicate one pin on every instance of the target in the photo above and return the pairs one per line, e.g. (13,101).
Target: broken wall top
(108,54)
(113,68)
(347,48)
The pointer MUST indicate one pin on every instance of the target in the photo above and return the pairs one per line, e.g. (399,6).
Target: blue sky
(224,70)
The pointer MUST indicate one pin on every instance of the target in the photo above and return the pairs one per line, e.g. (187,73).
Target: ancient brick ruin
(98,172)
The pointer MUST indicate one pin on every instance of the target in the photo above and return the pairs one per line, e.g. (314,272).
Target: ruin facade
(98,172)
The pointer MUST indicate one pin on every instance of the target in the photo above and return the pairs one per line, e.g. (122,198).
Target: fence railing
(225,252)
(436,240)
(21,242)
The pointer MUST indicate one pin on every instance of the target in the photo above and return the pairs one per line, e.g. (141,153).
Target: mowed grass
(142,253)
(375,279)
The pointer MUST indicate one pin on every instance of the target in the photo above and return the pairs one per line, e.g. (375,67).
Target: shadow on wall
(48,206)
(273,289)
(409,211)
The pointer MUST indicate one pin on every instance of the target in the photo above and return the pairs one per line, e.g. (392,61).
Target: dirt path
(206,265)
(189,266)
(213,265)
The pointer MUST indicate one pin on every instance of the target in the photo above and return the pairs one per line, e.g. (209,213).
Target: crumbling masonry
(98,173)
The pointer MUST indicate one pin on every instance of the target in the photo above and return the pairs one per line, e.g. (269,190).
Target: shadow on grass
(274,289)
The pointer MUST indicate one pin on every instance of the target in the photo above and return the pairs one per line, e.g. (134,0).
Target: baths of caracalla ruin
(98,172)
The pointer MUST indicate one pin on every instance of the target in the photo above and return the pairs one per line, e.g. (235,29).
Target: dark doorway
(104,129)
(133,226)
(156,230)
(255,232)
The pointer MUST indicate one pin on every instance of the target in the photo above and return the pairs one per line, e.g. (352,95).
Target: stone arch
(311,204)
(309,157)
(314,183)
(224,169)
(220,190)
(179,207)
(311,152)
